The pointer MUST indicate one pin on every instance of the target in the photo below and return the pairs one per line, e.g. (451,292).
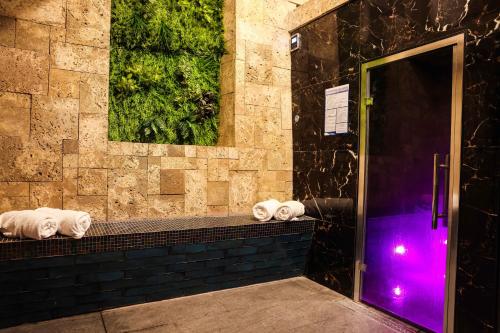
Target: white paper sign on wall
(336,110)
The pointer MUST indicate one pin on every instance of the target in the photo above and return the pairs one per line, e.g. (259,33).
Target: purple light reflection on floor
(406,266)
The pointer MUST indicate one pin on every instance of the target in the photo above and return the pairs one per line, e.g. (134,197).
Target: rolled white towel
(289,210)
(28,224)
(71,222)
(264,210)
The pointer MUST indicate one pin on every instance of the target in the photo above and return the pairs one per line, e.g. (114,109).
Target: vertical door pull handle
(435,192)
(446,169)
(435,188)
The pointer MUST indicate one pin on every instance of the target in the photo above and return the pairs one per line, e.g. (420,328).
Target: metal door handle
(446,167)
(435,189)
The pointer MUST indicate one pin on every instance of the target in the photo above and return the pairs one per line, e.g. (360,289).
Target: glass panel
(409,122)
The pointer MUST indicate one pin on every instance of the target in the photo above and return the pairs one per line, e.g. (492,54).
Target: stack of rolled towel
(44,222)
(288,210)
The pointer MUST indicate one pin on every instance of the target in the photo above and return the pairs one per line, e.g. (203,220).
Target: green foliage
(164,73)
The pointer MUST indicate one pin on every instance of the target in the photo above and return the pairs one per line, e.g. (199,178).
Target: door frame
(457,43)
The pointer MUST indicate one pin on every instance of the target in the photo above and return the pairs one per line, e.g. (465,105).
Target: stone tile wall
(54,148)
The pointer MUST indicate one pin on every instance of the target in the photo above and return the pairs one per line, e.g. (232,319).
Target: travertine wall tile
(282,77)
(279,159)
(218,210)
(253,31)
(92,14)
(70,146)
(258,59)
(190,151)
(23,71)
(13,100)
(242,191)
(92,181)
(46,194)
(93,132)
(276,12)
(57,34)
(94,94)
(92,159)
(280,196)
(250,10)
(79,58)
(32,36)
(96,206)
(172,182)
(54,119)
(181,163)
(249,159)
(218,193)
(196,192)
(127,148)
(262,95)
(309,11)
(286,109)
(244,126)
(226,120)
(202,163)
(15,122)
(176,151)
(14,203)
(233,153)
(157,149)
(227,77)
(70,161)
(64,84)
(70,182)
(161,206)
(88,36)
(127,162)
(7,31)
(154,174)
(14,189)
(51,12)
(29,161)
(127,194)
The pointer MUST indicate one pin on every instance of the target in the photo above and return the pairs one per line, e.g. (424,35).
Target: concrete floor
(292,305)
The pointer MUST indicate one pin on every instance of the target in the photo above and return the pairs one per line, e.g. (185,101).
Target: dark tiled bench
(122,263)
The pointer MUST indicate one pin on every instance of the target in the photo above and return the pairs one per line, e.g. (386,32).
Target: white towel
(289,210)
(71,222)
(28,224)
(264,210)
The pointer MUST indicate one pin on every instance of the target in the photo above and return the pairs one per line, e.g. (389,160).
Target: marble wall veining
(333,48)
(54,148)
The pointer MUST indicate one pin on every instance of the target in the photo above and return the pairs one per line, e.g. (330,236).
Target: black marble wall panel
(333,48)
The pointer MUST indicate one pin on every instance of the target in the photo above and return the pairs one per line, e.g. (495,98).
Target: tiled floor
(292,305)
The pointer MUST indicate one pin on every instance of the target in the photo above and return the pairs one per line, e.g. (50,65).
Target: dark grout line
(103,322)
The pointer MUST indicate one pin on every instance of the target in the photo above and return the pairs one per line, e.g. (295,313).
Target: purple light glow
(400,249)
(397,291)
(407,283)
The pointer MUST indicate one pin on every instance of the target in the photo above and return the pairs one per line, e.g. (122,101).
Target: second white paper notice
(336,110)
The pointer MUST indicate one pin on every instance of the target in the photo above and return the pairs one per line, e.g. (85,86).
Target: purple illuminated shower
(409,122)
(406,271)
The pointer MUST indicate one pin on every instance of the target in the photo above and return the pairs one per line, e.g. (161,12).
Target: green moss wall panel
(164,71)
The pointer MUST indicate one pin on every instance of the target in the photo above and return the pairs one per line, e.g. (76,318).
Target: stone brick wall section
(311,10)
(54,149)
(45,288)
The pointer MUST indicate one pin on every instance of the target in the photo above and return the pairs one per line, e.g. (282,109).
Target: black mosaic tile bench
(137,261)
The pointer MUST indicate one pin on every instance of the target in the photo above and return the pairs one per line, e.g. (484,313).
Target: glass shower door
(408,143)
